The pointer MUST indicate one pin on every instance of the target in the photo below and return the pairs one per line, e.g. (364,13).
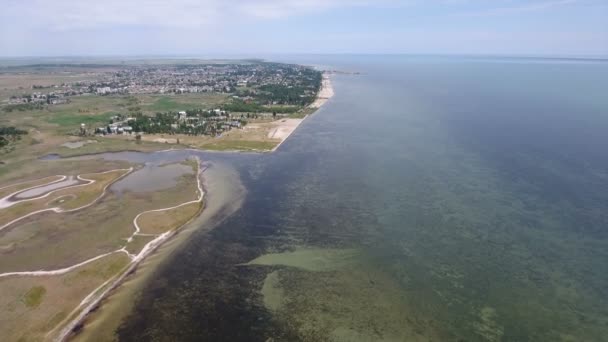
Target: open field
(61,200)
(260,135)
(151,104)
(6,190)
(37,169)
(32,306)
(138,243)
(158,222)
(21,81)
(95,110)
(226,195)
(95,230)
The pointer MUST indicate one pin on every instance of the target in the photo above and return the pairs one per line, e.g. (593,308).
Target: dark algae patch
(224,301)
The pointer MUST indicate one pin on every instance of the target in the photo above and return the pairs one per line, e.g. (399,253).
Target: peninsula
(73,227)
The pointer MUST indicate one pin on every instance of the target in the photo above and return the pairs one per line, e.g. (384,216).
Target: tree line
(10,134)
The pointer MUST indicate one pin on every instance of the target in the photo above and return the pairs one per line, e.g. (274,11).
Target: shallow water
(70,180)
(430,199)
(151,178)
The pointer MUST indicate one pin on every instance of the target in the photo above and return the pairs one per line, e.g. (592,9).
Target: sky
(252,27)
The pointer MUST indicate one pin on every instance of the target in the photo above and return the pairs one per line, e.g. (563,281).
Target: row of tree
(10,134)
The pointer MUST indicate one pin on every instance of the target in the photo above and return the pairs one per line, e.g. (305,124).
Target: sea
(433,198)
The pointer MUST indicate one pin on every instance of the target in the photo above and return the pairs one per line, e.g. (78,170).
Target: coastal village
(252,92)
(269,83)
(80,110)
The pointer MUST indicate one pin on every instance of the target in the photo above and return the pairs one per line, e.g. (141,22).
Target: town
(253,82)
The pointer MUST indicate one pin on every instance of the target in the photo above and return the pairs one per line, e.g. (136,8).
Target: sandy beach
(285,127)
(326,92)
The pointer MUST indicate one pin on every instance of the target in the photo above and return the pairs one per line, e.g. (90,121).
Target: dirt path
(97,295)
(58,209)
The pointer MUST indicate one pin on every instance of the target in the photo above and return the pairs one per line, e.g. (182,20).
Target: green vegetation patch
(166,103)
(33,297)
(21,107)
(68,119)
(10,134)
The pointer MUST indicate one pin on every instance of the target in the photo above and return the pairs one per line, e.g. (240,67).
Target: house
(104,90)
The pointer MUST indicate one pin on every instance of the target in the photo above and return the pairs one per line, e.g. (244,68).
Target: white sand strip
(93,299)
(38,191)
(59,210)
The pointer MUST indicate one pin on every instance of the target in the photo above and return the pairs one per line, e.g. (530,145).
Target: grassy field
(138,243)
(69,238)
(31,306)
(158,222)
(96,111)
(64,199)
(7,190)
(35,170)
(40,303)
(164,103)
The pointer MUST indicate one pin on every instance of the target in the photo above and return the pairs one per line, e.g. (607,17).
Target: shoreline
(325,94)
(227,192)
(91,302)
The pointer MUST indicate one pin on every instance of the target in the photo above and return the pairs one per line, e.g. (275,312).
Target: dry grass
(27,80)
(138,243)
(9,189)
(38,169)
(65,199)
(51,240)
(30,307)
(54,297)
(253,137)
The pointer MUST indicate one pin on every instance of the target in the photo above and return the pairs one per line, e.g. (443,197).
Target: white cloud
(521,7)
(62,15)
(85,14)
(183,26)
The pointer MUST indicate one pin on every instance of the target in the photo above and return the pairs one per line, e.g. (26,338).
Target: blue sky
(250,27)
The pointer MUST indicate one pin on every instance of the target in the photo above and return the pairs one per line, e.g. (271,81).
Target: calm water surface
(431,199)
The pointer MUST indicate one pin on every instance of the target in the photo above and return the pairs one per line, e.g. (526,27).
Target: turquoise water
(432,199)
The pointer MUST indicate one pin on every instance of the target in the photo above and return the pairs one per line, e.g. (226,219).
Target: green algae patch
(272,291)
(34,296)
(310,259)
(339,295)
